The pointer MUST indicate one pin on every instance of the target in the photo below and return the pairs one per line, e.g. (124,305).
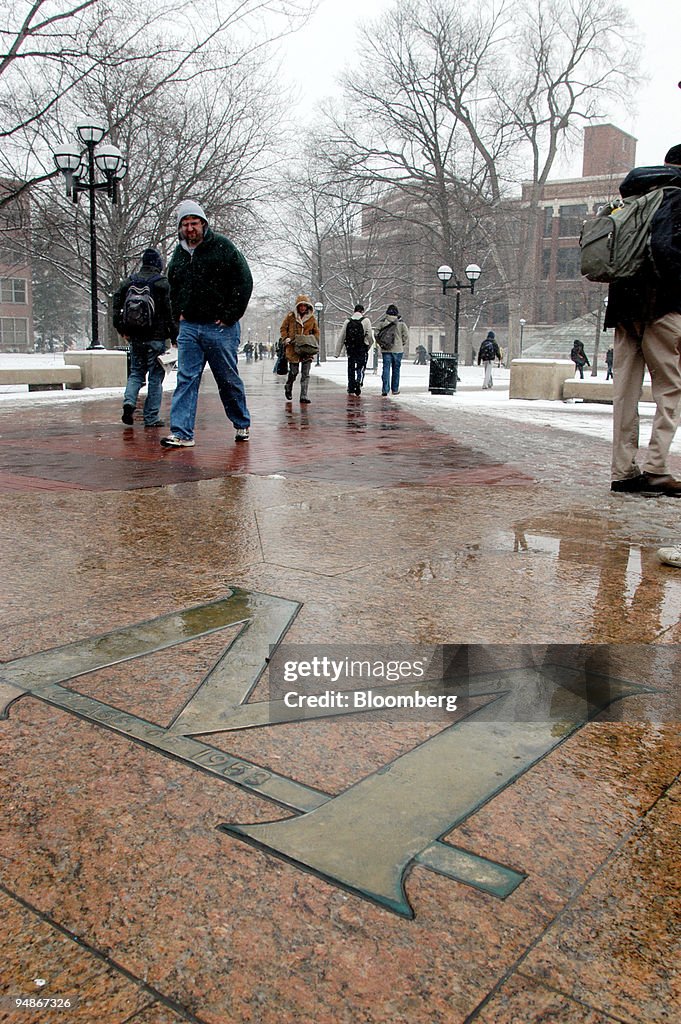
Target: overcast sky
(328,41)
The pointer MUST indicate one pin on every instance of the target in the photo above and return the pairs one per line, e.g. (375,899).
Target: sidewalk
(416,870)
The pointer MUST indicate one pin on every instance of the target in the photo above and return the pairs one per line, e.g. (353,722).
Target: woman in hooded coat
(300,321)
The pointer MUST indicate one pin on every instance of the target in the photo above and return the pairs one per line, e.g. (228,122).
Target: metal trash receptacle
(443,373)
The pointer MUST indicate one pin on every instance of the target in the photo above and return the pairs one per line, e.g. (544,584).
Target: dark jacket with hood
(656,289)
(210,282)
(489,350)
(578,355)
(163,326)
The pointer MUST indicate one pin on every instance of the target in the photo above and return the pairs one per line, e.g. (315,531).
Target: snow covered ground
(587,419)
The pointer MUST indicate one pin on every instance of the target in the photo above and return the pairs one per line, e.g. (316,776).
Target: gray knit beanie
(189,208)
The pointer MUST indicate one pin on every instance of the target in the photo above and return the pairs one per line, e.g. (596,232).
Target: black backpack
(354,335)
(487,350)
(139,307)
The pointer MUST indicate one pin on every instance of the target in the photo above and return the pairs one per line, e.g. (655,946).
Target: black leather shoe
(631,484)
(663,483)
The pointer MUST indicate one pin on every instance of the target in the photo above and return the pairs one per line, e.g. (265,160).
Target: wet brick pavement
(347,522)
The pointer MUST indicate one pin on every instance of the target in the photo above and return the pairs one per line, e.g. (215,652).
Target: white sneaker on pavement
(670,556)
(174,441)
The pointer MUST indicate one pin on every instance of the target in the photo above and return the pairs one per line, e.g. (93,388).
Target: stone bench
(553,380)
(42,378)
(100,368)
(594,390)
(539,378)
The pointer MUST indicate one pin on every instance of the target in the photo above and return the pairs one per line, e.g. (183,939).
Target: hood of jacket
(147,272)
(303,300)
(643,179)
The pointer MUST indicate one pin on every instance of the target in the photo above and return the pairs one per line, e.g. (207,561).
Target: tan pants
(660,350)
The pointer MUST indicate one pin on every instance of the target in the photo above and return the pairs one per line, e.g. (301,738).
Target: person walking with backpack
(645,311)
(489,351)
(356,337)
(392,336)
(579,357)
(142,315)
(299,333)
(210,285)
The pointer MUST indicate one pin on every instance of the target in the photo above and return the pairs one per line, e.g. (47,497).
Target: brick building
(399,246)
(561,294)
(16,319)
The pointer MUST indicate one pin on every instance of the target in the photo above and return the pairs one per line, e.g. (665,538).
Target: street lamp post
(600,313)
(522,331)
(321,351)
(445,274)
(78,167)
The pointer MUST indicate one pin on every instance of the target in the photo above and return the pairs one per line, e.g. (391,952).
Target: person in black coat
(608,363)
(489,351)
(146,343)
(579,357)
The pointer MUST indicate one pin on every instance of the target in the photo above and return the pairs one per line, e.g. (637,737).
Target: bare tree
(211,139)
(50,50)
(456,107)
(323,244)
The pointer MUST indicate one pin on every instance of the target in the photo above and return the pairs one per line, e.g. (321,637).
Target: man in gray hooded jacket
(210,285)
(392,335)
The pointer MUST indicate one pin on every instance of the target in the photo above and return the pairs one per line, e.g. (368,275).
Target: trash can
(443,375)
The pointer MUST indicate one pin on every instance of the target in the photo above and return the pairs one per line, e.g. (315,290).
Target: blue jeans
(391,362)
(143,361)
(217,345)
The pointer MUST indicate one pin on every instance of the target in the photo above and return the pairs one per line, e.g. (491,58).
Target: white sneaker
(670,556)
(173,441)
(242,434)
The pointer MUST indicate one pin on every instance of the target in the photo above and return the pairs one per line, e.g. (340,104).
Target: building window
(545,263)
(570,220)
(544,309)
(13,289)
(13,333)
(548,221)
(568,263)
(498,312)
(569,305)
